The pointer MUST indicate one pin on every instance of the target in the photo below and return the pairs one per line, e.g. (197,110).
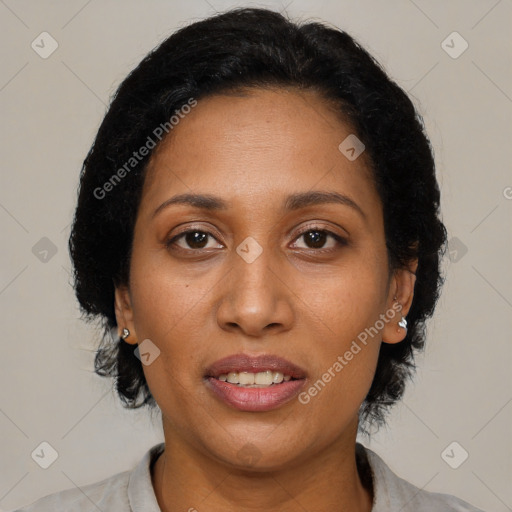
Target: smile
(261,379)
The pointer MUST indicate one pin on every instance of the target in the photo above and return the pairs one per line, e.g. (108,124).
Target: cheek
(344,371)
(161,305)
(342,312)
(346,299)
(169,310)
(163,297)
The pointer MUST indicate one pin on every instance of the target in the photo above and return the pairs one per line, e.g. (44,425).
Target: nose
(255,300)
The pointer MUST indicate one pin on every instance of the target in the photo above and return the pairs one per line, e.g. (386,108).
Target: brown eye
(316,238)
(193,239)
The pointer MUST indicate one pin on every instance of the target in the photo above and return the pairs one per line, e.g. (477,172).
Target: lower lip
(256,399)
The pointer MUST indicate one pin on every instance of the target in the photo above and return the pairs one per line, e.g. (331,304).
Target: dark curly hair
(236,49)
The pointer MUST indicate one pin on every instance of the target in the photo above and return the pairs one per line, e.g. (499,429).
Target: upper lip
(255,364)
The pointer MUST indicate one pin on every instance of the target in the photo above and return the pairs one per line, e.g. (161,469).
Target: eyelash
(340,240)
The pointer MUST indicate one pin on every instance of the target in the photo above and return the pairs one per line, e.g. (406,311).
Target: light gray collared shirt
(132,491)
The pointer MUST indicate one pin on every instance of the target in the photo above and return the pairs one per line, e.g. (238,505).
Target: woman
(258,223)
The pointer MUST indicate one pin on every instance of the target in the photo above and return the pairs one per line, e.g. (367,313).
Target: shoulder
(127,491)
(108,494)
(394,493)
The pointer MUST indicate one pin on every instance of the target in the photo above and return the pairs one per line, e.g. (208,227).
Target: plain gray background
(51,108)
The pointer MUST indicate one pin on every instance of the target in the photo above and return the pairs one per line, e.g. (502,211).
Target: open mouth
(254,383)
(262,379)
(255,392)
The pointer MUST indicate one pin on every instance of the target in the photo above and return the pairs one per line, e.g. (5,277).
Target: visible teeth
(263,378)
(246,378)
(233,378)
(277,377)
(260,379)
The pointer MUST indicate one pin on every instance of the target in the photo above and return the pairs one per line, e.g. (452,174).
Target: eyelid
(318,225)
(169,240)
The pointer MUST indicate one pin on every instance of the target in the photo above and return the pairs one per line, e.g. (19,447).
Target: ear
(401,287)
(124,313)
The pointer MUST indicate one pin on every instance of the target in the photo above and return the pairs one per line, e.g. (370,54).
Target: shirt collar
(388,488)
(141,494)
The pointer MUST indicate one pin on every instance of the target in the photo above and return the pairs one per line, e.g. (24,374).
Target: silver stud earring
(125,334)
(403,322)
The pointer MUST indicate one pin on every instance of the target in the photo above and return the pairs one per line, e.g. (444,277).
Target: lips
(255,399)
(254,364)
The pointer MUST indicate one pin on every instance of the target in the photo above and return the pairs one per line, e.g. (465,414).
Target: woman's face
(259,277)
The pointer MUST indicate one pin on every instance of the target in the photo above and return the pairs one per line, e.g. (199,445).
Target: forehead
(257,144)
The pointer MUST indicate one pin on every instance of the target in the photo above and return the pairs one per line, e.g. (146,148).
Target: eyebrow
(292,202)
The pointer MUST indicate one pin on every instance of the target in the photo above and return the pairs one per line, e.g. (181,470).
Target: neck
(187,479)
